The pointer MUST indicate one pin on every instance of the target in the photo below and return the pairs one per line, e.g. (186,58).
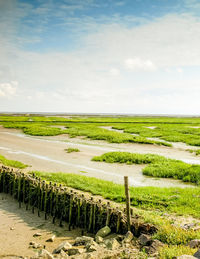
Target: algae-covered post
(128,212)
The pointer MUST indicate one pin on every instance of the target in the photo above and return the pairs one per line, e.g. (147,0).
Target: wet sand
(47,154)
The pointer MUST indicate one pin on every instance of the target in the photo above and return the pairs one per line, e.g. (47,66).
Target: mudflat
(48,154)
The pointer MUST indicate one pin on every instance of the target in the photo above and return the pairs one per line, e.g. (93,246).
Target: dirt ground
(17,227)
(47,154)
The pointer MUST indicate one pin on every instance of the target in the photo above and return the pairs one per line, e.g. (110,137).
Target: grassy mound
(158,166)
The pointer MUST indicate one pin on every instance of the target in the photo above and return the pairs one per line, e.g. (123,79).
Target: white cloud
(8,89)
(114,72)
(139,64)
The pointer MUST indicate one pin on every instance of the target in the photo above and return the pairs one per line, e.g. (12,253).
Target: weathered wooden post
(38,196)
(70,209)
(94,218)
(91,215)
(119,216)
(45,200)
(128,213)
(19,190)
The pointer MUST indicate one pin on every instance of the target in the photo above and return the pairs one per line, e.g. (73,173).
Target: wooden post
(45,200)
(19,191)
(94,218)
(70,209)
(91,215)
(38,196)
(128,213)
(119,216)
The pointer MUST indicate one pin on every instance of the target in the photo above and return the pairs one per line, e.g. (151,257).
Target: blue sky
(106,56)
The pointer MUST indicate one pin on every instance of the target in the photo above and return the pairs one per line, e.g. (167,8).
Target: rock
(197,254)
(119,238)
(51,239)
(128,237)
(91,247)
(112,244)
(35,245)
(103,232)
(11,228)
(145,239)
(74,251)
(83,240)
(63,246)
(153,248)
(188,226)
(194,243)
(63,254)
(37,235)
(99,239)
(32,243)
(45,254)
(185,257)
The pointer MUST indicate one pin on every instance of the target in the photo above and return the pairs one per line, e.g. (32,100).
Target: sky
(100,56)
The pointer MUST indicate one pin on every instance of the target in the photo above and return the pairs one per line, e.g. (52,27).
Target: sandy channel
(17,227)
(47,154)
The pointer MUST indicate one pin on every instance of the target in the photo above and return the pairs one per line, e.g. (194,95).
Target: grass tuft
(70,150)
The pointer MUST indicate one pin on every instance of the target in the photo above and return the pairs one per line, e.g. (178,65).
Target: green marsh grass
(167,132)
(175,200)
(70,150)
(12,163)
(158,166)
(171,251)
(91,131)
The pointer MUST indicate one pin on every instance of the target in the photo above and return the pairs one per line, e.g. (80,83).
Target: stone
(119,238)
(63,254)
(103,232)
(112,244)
(99,239)
(91,246)
(188,226)
(128,237)
(194,243)
(83,240)
(45,254)
(185,257)
(32,243)
(144,239)
(37,234)
(35,245)
(51,239)
(153,248)
(63,246)
(197,254)
(74,251)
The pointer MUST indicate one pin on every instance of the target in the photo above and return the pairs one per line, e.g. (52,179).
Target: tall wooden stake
(128,212)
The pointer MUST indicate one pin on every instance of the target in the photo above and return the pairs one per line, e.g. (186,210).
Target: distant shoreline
(61,114)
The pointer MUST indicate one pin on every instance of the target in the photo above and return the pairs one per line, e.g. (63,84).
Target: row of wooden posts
(66,205)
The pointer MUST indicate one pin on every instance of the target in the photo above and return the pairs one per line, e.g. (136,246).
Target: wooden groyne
(63,204)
